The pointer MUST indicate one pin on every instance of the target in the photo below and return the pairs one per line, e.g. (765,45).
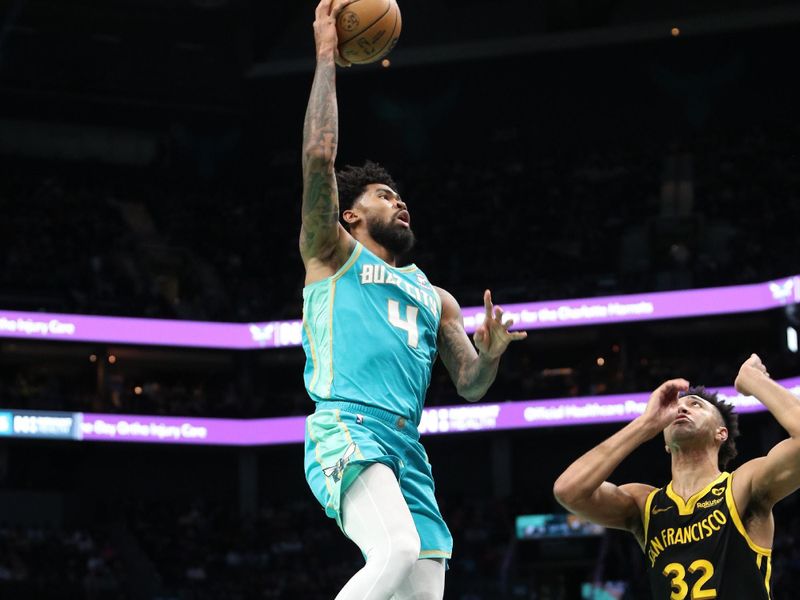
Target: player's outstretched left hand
(492,337)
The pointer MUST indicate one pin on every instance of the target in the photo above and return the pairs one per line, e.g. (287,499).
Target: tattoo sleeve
(320,213)
(471,374)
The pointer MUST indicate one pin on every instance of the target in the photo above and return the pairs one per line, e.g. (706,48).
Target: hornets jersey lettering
(369,333)
(699,548)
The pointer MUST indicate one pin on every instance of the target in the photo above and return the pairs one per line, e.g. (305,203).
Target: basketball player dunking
(708,534)
(371,332)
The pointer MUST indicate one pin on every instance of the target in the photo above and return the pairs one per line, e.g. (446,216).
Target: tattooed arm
(471,370)
(324,243)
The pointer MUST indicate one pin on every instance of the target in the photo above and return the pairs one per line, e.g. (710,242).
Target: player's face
(382,202)
(695,417)
(387,218)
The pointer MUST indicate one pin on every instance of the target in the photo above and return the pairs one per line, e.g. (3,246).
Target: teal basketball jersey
(369,334)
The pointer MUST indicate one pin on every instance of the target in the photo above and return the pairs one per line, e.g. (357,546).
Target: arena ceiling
(204,53)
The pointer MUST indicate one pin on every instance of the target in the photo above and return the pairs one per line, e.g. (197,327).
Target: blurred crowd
(611,218)
(46,563)
(203,551)
(558,365)
(613,176)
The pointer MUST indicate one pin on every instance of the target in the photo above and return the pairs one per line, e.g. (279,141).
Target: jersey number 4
(409,324)
(680,589)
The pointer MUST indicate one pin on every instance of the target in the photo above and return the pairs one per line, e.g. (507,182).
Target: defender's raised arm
(582,488)
(767,480)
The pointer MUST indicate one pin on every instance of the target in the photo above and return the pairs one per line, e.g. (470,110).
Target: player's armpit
(326,261)
(769,479)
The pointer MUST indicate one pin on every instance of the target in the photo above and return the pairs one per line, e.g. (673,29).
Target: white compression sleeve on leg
(425,582)
(376,517)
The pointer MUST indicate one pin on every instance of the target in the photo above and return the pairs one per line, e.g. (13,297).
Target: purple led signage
(587,410)
(191,430)
(287,430)
(647,307)
(148,332)
(531,315)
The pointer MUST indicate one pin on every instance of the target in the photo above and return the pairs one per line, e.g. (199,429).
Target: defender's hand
(492,337)
(662,407)
(325,36)
(750,372)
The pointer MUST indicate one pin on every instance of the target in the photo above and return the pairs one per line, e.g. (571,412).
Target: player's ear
(350,216)
(666,448)
(722,434)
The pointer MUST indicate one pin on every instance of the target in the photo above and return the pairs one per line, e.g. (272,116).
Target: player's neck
(378,250)
(692,470)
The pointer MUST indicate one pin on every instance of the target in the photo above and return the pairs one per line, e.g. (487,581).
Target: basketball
(368,30)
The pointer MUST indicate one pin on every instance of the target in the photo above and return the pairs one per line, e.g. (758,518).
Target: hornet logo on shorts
(335,470)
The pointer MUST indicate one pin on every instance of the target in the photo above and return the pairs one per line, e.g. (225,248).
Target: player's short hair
(726,410)
(351,181)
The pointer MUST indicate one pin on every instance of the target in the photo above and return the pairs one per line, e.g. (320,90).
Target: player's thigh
(418,489)
(374,510)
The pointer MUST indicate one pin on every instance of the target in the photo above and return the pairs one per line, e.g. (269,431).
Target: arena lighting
(791,339)
(463,418)
(281,334)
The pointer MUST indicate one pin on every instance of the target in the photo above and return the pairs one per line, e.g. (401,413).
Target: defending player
(371,335)
(708,534)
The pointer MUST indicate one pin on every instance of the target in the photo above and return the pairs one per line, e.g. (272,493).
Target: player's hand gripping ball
(368,30)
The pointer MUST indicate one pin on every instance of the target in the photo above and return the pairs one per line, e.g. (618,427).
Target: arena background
(547,150)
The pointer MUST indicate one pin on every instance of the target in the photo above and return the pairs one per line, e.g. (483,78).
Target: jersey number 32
(680,589)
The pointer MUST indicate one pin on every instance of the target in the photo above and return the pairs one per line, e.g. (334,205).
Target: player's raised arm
(582,488)
(769,479)
(473,368)
(324,244)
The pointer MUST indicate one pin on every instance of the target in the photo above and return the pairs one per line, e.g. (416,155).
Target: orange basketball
(368,30)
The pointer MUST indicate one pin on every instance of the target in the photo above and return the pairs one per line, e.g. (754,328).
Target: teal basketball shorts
(343,438)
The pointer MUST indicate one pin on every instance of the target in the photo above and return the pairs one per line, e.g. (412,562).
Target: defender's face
(695,417)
